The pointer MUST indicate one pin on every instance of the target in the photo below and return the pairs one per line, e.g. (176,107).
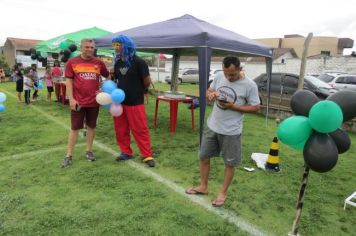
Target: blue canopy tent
(187,35)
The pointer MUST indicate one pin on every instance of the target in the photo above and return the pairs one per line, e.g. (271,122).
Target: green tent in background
(53,45)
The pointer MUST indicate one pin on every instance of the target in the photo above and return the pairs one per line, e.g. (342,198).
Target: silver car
(339,81)
(186,76)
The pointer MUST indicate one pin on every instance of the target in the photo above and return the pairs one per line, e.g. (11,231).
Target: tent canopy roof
(186,33)
(52,45)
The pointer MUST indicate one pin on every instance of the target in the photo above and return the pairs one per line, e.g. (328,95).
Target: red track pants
(133,119)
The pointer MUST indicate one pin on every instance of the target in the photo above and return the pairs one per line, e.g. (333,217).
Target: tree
(4,65)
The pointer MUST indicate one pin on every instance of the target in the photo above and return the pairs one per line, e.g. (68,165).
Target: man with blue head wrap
(132,75)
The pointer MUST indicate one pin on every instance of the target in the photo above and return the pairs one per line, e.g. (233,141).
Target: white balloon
(103,98)
(2,97)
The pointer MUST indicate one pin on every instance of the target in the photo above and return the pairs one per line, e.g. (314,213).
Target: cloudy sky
(45,19)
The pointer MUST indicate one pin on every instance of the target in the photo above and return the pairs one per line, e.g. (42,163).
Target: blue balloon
(118,95)
(2,97)
(40,85)
(108,86)
(2,107)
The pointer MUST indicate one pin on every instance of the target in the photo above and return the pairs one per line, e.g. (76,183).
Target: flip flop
(218,202)
(193,191)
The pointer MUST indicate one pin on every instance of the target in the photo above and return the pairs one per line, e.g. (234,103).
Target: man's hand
(73,103)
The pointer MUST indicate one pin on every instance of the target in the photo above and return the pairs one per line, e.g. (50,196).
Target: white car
(339,81)
(187,76)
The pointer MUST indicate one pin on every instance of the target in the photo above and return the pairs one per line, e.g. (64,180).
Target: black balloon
(72,47)
(302,101)
(61,52)
(341,139)
(55,55)
(40,58)
(320,152)
(33,56)
(32,51)
(347,101)
(64,59)
(66,53)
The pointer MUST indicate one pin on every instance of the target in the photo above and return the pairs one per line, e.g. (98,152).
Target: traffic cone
(272,163)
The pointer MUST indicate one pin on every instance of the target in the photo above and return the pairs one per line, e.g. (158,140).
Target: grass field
(107,198)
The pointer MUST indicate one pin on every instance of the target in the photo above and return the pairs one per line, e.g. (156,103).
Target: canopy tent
(53,45)
(187,35)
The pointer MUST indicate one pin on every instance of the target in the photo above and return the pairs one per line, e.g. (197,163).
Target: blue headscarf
(128,49)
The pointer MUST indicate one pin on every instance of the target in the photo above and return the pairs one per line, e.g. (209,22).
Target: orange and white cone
(272,163)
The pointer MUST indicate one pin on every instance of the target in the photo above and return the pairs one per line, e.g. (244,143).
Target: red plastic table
(173,110)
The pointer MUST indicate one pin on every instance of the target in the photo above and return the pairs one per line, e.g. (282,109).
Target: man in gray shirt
(234,94)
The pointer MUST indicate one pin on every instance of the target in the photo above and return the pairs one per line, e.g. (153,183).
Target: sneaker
(149,161)
(123,157)
(67,161)
(90,156)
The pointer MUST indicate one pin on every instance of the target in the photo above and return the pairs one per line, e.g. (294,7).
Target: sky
(46,19)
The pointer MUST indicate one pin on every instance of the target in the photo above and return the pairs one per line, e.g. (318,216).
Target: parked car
(339,81)
(283,86)
(213,73)
(186,76)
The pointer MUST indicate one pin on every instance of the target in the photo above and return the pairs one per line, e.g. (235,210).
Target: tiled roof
(25,44)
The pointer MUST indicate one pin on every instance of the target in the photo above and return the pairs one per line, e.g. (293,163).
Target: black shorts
(19,85)
(89,113)
(50,89)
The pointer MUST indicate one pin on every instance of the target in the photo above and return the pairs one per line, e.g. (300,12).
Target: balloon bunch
(111,97)
(36,55)
(2,100)
(67,51)
(315,128)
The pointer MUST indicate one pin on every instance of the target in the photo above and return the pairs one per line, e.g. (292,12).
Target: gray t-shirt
(241,92)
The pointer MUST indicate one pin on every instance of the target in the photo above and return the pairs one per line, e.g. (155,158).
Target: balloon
(72,47)
(66,53)
(341,139)
(294,130)
(347,101)
(302,101)
(40,85)
(32,51)
(325,116)
(2,107)
(33,56)
(116,109)
(103,98)
(320,152)
(64,59)
(2,97)
(108,86)
(299,146)
(118,95)
(40,58)
(63,45)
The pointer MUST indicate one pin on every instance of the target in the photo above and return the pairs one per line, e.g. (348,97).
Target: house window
(325,53)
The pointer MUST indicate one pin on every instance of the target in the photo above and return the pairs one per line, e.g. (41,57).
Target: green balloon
(325,116)
(63,45)
(294,130)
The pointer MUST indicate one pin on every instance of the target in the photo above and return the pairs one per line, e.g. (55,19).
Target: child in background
(18,73)
(57,77)
(28,83)
(49,82)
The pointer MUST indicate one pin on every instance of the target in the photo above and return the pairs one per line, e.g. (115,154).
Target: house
(18,50)
(319,45)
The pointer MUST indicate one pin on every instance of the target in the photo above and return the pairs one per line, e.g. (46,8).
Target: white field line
(35,153)
(228,215)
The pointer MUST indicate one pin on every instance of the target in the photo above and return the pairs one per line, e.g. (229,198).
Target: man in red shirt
(82,80)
